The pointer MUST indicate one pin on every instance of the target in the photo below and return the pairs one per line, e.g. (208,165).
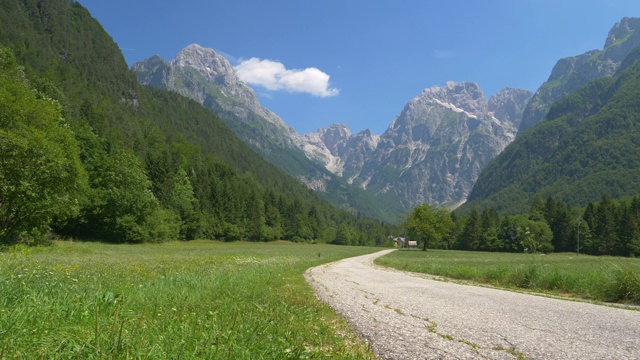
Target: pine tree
(471,235)
(605,231)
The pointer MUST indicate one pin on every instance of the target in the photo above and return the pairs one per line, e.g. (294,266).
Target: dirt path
(406,316)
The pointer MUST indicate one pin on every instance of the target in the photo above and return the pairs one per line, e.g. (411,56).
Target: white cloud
(273,75)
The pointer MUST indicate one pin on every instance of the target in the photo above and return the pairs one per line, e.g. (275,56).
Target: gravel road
(409,316)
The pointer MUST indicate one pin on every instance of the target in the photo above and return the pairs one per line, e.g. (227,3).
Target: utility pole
(578,248)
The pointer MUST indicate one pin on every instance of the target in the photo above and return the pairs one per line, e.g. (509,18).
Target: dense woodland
(601,228)
(90,154)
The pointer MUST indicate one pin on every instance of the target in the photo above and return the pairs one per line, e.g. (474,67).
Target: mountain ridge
(585,148)
(384,163)
(571,73)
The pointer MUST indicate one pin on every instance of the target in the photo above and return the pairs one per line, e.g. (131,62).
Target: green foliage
(429,224)
(122,205)
(604,228)
(40,172)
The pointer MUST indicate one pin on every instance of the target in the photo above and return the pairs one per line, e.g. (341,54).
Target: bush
(624,286)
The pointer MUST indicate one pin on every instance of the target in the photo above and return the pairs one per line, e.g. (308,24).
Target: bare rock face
(338,149)
(433,151)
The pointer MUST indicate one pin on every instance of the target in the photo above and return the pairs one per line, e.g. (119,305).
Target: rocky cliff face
(433,151)
(570,74)
(207,77)
(340,151)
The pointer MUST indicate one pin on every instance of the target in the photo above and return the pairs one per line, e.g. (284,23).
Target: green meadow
(178,300)
(601,278)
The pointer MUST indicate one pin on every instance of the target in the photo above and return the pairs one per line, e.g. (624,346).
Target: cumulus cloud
(273,75)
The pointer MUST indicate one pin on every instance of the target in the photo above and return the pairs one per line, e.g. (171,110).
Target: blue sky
(359,62)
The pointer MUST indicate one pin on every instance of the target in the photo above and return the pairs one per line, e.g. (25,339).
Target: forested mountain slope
(571,73)
(158,165)
(587,147)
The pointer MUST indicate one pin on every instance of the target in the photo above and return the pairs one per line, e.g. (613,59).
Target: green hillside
(587,147)
(154,165)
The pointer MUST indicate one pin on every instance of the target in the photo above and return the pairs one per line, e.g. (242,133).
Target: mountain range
(432,152)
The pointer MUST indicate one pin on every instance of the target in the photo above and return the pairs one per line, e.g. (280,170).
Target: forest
(601,228)
(88,153)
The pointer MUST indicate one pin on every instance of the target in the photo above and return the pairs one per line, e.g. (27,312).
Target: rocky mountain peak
(217,70)
(466,96)
(626,27)
(335,137)
(198,57)
(207,77)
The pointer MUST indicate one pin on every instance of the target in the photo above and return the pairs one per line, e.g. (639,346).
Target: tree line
(601,228)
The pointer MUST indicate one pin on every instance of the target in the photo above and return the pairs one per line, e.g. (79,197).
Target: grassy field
(200,299)
(609,279)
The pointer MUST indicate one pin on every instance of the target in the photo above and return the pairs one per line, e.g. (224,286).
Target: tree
(183,202)
(508,234)
(344,235)
(41,176)
(534,236)
(605,231)
(471,235)
(123,208)
(429,223)
(489,223)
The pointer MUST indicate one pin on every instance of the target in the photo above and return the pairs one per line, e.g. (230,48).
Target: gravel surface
(409,316)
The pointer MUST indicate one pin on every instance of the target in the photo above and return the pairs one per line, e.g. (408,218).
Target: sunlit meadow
(603,278)
(178,300)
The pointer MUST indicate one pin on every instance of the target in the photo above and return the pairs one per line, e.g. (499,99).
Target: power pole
(578,247)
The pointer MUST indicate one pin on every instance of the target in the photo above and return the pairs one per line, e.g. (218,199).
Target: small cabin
(413,244)
(398,242)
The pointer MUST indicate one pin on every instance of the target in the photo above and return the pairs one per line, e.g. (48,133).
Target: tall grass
(170,301)
(608,279)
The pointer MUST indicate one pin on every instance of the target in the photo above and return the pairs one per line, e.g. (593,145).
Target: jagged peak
(150,63)
(200,57)
(335,133)
(458,96)
(196,49)
(621,30)
(455,87)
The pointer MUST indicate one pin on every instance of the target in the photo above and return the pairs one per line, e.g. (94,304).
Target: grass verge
(608,279)
(184,300)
